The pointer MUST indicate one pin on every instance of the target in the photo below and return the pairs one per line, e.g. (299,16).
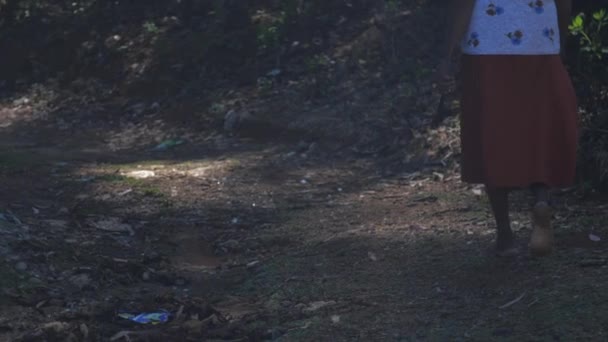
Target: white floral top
(513,27)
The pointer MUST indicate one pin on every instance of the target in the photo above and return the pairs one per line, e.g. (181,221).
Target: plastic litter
(159,317)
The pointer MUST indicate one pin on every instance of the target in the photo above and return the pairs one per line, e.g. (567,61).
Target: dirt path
(247,241)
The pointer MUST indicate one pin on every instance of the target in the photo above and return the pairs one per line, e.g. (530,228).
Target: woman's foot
(505,243)
(541,241)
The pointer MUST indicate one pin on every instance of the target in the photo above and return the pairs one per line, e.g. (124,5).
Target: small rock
(21,266)
(145,276)
(230,244)
(55,327)
(80,280)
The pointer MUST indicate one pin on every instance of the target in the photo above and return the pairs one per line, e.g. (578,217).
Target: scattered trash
(141,174)
(35,210)
(303,181)
(335,319)
(159,317)
(113,225)
(235,220)
(514,301)
(594,238)
(167,144)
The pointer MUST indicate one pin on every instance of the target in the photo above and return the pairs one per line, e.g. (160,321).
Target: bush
(590,75)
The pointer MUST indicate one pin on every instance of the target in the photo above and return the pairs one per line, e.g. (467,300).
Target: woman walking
(519,115)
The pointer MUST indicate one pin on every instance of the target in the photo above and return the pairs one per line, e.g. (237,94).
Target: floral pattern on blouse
(524,27)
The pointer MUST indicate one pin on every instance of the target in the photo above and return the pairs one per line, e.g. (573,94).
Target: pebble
(80,280)
(21,266)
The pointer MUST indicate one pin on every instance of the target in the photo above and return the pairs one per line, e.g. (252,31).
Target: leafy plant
(592,33)
(151,27)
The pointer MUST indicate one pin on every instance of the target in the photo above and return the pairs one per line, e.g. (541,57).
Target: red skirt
(519,123)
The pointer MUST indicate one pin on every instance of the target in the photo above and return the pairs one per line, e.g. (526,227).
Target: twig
(514,301)
(533,302)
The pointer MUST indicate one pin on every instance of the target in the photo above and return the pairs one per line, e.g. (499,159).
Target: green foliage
(270,32)
(590,74)
(150,27)
(592,33)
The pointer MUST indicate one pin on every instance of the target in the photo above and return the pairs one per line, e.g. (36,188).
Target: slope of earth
(251,241)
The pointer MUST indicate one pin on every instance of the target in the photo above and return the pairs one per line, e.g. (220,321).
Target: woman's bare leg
(499,200)
(541,241)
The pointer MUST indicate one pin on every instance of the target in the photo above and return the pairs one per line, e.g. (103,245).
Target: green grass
(141,185)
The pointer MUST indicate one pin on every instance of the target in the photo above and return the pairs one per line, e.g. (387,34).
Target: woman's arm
(564,11)
(458,23)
